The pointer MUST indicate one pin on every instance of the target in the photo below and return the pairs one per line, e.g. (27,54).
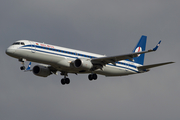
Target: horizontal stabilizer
(153,65)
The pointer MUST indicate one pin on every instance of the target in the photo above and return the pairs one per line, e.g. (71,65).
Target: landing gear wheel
(63,81)
(95,76)
(22,67)
(67,80)
(92,77)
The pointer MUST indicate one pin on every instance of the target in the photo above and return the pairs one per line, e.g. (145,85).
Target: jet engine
(83,64)
(42,71)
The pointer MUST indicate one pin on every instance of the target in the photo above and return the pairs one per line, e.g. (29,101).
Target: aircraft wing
(113,59)
(153,65)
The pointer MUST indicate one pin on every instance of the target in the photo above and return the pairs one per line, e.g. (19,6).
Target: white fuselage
(61,58)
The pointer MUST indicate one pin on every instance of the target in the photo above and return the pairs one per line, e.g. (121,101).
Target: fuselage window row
(52,49)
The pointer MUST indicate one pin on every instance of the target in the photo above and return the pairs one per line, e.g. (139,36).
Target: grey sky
(99,26)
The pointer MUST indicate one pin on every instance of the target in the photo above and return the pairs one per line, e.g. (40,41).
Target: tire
(63,82)
(67,80)
(90,77)
(22,67)
(94,76)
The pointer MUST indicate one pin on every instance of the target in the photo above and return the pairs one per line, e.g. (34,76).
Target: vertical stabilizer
(141,46)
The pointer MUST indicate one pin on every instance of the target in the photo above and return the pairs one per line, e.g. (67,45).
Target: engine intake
(83,64)
(41,71)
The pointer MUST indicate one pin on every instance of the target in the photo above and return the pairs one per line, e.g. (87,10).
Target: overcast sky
(110,27)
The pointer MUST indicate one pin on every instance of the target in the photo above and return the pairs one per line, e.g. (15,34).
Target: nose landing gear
(22,60)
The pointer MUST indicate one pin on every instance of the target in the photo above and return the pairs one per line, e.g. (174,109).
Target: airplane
(54,58)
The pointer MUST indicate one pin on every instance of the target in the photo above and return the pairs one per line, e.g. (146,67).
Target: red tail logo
(138,49)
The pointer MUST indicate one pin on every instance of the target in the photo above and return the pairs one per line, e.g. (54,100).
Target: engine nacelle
(41,71)
(83,64)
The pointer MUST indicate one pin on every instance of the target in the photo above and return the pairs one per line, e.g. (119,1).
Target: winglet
(29,67)
(154,49)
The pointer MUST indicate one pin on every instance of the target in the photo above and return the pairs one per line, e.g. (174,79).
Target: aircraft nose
(10,51)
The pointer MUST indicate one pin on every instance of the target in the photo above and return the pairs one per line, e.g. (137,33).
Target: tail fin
(141,46)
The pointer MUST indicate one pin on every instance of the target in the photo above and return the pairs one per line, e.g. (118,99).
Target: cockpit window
(22,43)
(18,43)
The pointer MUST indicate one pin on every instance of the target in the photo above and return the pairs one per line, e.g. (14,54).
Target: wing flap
(153,65)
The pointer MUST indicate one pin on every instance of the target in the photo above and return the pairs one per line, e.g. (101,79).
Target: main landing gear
(65,81)
(92,76)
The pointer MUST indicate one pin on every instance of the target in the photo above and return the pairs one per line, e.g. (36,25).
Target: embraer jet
(54,58)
